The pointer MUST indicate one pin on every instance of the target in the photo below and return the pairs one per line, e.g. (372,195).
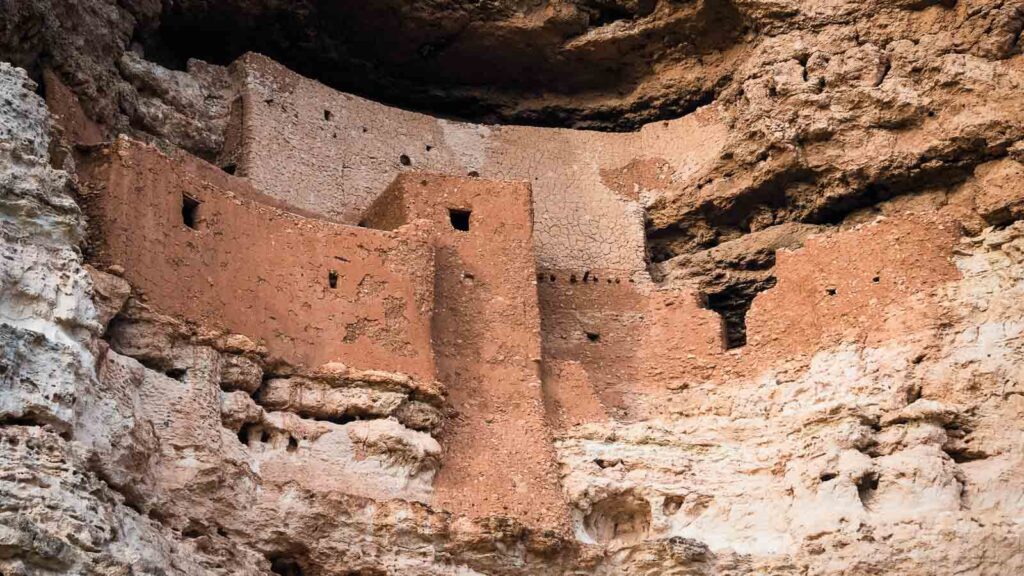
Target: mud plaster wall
(619,349)
(593,321)
(68,113)
(255,269)
(333,154)
(867,284)
(498,454)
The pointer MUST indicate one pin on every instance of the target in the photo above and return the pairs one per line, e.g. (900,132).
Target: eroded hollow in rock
(286,567)
(867,486)
(605,12)
(497,61)
(622,519)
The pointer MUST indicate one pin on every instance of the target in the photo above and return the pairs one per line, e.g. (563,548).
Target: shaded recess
(459,219)
(190,212)
(732,303)
(286,567)
(580,63)
(622,518)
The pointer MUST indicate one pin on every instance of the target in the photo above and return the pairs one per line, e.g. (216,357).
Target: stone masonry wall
(865,284)
(592,327)
(198,245)
(631,345)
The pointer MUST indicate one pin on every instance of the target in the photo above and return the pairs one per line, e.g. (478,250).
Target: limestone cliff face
(815,370)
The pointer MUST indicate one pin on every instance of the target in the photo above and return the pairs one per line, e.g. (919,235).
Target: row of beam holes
(404,160)
(587,277)
(591,336)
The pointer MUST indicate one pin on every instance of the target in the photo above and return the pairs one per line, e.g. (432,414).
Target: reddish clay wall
(498,453)
(868,284)
(258,270)
(569,397)
(594,319)
(629,345)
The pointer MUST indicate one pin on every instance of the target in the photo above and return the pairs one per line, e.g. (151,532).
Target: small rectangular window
(190,211)
(459,219)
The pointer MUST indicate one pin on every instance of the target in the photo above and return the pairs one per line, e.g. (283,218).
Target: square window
(459,219)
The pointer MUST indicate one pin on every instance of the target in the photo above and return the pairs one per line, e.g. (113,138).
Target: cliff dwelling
(567,287)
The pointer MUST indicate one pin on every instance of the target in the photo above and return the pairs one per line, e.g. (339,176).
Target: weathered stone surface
(820,372)
(830,115)
(58,518)
(62,512)
(109,293)
(87,48)
(46,316)
(240,373)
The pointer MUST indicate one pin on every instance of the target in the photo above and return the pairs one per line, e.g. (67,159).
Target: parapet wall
(333,153)
(204,247)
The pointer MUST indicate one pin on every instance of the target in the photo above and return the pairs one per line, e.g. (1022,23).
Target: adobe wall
(612,343)
(622,349)
(592,324)
(255,269)
(333,153)
(868,284)
(498,453)
(68,114)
